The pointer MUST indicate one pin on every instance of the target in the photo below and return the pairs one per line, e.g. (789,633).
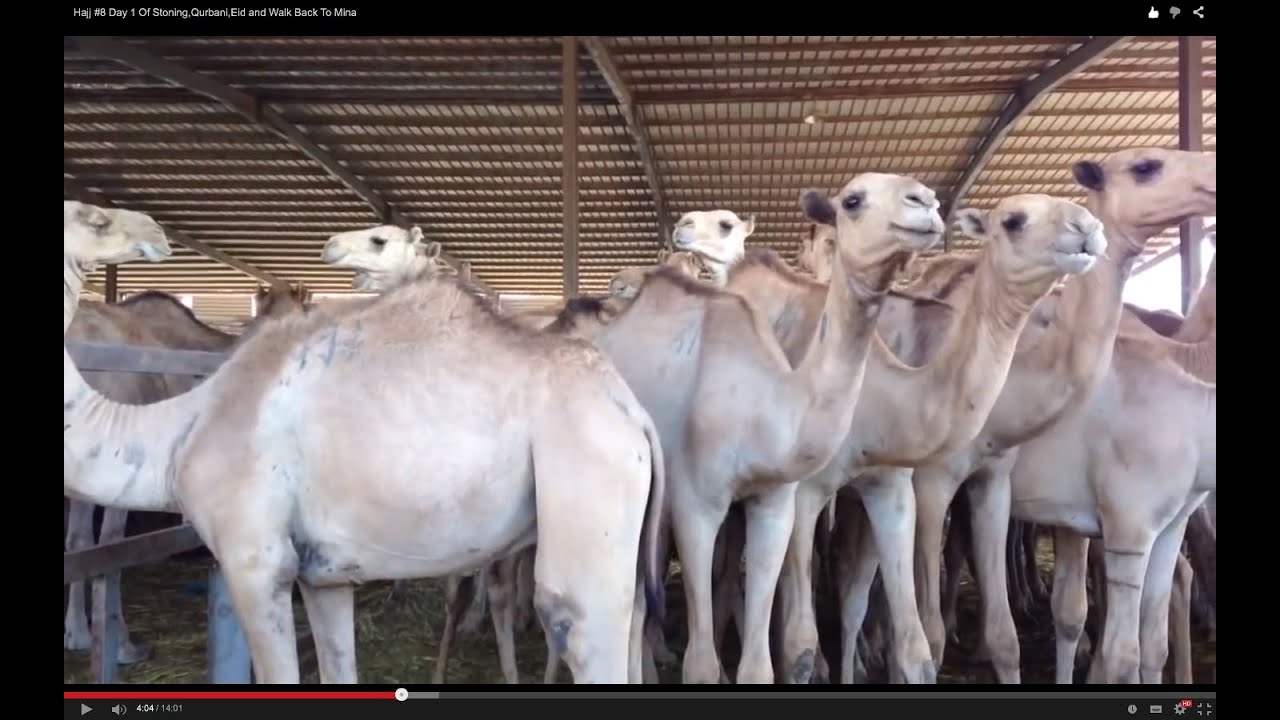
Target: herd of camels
(863,418)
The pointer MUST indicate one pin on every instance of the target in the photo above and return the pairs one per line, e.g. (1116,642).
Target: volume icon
(119,709)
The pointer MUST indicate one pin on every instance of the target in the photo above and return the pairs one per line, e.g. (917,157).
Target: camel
(1060,358)
(1157,409)
(150,319)
(910,411)
(739,420)
(386,257)
(626,283)
(260,459)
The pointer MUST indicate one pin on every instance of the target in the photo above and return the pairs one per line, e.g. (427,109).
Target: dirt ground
(398,638)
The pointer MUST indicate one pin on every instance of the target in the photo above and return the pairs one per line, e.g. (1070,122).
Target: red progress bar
(242,695)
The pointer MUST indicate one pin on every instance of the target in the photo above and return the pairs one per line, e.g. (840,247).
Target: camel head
(382,256)
(687,263)
(877,216)
(1033,238)
(280,298)
(93,235)
(1143,191)
(719,237)
(626,283)
(817,253)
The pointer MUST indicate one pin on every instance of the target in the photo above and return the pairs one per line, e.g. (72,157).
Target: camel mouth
(154,253)
(332,255)
(928,232)
(1074,263)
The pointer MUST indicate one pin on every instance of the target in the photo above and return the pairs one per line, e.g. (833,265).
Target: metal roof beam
(257,112)
(75,191)
(1020,103)
(1190,138)
(635,126)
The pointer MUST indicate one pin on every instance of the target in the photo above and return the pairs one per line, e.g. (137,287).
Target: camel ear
(750,225)
(430,250)
(1089,174)
(415,235)
(818,207)
(972,222)
(663,254)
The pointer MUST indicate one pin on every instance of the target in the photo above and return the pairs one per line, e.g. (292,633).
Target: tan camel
(259,458)
(148,319)
(910,413)
(1130,466)
(626,283)
(1154,385)
(737,421)
(1060,358)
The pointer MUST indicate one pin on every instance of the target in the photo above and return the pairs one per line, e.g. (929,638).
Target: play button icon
(84,708)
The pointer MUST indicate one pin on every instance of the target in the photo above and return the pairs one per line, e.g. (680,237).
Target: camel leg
(989,494)
(695,524)
(502,582)
(855,573)
(1039,591)
(727,592)
(1070,599)
(331,615)
(795,583)
(76,633)
(891,507)
(588,545)
(1016,569)
(1180,611)
(876,627)
(956,553)
(473,614)
(935,488)
(771,518)
(1157,587)
(655,635)
(113,528)
(260,575)
(1127,552)
(524,589)
(459,592)
(1097,598)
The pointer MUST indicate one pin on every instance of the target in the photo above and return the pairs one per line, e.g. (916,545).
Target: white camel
(302,459)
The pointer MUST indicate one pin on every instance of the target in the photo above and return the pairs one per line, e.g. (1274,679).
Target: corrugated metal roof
(464,136)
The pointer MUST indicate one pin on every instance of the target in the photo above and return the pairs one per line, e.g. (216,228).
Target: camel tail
(655,571)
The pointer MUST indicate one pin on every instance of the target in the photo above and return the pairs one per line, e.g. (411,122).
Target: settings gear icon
(1180,710)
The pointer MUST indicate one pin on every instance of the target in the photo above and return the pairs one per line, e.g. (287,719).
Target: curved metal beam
(1019,104)
(256,111)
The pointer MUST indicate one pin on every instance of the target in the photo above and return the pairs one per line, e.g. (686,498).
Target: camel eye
(378,241)
(726,226)
(852,202)
(1014,222)
(1146,169)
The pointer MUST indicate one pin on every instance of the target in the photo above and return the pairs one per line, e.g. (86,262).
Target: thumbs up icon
(1153,13)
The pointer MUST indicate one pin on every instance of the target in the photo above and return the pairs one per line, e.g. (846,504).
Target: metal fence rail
(228,650)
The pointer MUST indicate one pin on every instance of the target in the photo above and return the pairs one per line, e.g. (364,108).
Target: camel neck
(121,455)
(839,346)
(929,411)
(72,285)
